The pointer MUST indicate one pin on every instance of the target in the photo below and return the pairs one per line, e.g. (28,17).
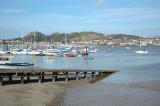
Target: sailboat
(141,51)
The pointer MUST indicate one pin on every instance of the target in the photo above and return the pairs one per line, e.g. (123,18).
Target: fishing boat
(5,62)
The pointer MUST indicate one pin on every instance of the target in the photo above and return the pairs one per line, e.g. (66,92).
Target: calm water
(133,67)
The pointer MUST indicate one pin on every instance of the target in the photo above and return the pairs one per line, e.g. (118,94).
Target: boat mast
(12,42)
(140,43)
(65,39)
(83,37)
(22,41)
(34,40)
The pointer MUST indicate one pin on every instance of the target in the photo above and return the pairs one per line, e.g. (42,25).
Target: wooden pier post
(42,73)
(56,76)
(66,76)
(22,78)
(85,75)
(40,78)
(77,76)
(10,77)
(1,80)
(28,76)
(100,73)
(93,74)
(53,77)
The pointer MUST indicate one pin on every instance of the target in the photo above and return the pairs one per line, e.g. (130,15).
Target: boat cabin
(4,60)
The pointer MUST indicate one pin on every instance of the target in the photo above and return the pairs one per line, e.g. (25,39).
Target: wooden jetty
(41,75)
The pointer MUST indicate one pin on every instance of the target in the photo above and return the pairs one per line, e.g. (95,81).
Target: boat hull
(69,55)
(141,52)
(15,65)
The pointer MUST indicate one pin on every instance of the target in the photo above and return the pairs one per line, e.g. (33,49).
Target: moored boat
(5,62)
(69,55)
(142,51)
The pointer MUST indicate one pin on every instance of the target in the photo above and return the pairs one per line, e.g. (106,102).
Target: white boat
(34,52)
(51,52)
(141,51)
(90,50)
(22,52)
(2,52)
(5,63)
(127,47)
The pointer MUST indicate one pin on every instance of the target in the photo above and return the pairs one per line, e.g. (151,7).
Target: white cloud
(96,3)
(10,11)
(124,15)
(100,2)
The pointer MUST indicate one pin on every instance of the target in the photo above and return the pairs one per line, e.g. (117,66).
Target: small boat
(142,51)
(2,52)
(69,55)
(5,62)
(21,52)
(17,64)
(127,47)
(90,50)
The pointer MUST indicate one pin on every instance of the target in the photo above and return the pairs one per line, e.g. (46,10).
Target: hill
(76,36)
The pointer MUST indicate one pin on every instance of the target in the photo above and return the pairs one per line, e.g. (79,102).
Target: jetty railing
(41,75)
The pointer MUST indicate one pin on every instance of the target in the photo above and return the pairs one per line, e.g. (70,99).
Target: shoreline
(35,94)
(81,92)
(42,94)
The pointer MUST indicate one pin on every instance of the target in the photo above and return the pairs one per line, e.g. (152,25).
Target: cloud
(10,11)
(100,2)
(125,14)
(96,3)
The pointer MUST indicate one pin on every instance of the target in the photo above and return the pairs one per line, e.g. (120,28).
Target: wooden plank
(53,70)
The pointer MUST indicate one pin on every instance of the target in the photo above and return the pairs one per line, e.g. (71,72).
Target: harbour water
(132,67)
(136,83)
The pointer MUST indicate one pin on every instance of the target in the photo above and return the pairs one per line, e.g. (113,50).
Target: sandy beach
(146,93)
(34,94)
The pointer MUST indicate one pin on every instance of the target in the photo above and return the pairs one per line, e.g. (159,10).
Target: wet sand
(44,94)
(81,93)
(36,94)
(146,93)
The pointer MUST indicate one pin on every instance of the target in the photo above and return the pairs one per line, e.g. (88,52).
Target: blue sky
(139,17)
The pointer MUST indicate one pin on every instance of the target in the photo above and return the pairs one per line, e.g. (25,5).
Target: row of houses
(122,41)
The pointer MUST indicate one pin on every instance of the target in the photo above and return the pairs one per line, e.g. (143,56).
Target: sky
(137,17)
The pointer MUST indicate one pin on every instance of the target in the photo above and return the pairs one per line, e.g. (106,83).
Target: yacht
(5,62)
